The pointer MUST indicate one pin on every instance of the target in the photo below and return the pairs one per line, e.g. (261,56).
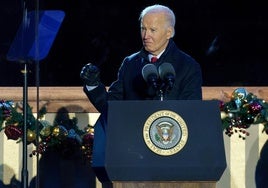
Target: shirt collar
(158,56)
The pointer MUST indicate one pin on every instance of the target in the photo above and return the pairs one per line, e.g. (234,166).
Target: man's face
(155,32)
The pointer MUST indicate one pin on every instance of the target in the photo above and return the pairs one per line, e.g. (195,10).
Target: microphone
(167,74)
(150,75)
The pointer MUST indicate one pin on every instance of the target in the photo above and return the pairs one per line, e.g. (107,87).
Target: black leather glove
(90,75)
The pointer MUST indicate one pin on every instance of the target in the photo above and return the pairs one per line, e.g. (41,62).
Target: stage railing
(241,155)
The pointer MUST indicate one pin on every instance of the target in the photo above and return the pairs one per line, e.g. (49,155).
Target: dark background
(103,32)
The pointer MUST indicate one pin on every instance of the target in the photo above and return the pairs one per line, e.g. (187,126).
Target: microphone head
(149,70)
(166,69)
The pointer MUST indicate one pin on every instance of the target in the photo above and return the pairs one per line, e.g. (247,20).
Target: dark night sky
(104,32)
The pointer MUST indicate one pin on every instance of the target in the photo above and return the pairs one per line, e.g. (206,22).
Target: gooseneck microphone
(167,74)
(150,75)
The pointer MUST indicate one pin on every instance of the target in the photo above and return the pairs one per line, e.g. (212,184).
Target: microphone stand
(24,172)
(161,94)
(160,91)
(43,29)
(164,89)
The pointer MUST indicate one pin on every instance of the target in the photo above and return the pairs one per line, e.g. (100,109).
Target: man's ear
(170,32)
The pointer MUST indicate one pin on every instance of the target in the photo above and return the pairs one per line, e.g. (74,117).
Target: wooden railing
(74,99)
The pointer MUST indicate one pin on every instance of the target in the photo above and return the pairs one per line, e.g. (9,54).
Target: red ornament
(221,105)
(255,108)
(88,138)
(13,132)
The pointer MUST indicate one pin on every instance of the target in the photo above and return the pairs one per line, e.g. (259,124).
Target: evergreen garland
(61,136)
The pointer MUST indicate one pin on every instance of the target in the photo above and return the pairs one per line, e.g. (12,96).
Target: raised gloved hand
(90,75)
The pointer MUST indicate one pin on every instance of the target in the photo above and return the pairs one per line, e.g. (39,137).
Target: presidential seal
(165,132)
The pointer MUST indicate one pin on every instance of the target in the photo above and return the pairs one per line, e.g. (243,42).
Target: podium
(134,146)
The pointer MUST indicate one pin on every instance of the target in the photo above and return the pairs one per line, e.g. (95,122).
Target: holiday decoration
(243,110)
(63,135)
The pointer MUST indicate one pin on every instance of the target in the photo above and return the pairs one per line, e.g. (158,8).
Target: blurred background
(227,38)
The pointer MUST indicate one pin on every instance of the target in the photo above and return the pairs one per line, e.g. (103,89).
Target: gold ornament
(90,130)
(223,115)
(31,136)
(56,131)
(46,130)
(60,132)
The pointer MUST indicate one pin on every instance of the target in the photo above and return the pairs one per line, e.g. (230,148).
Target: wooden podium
(122,157)
(159,185)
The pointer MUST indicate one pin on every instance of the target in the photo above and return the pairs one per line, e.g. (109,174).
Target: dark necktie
(153,59)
